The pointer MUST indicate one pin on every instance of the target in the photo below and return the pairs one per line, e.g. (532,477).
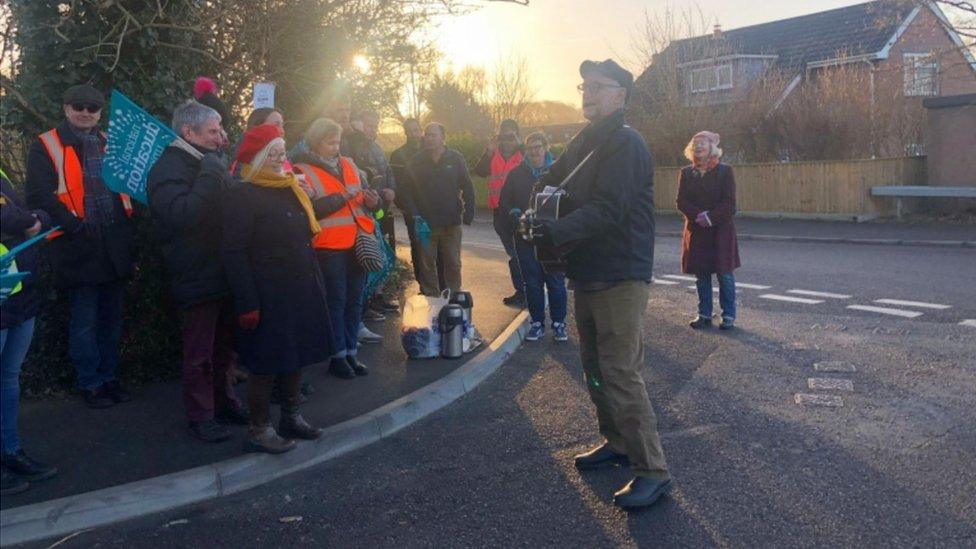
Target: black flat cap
(611,70)
(83,93)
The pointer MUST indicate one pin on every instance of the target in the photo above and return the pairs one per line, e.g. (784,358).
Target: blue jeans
(537,281)
(344,285)
(726,295)
(14,343)
(513,266)
(94,332)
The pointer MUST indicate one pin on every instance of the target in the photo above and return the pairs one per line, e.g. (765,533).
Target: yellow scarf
(270,179)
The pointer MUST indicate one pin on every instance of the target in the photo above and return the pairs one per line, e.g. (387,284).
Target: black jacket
(399,160)
(515,194)
(185,199)
(610,203)
(441,191)
(77,258)
(14,220)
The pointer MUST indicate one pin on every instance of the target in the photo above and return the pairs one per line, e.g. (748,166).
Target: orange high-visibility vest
(339,229)
(500,166)
(71,184)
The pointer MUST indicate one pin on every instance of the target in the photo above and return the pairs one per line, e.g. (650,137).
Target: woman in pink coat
(706,197)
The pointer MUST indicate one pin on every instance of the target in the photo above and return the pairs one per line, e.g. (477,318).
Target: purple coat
(715,249)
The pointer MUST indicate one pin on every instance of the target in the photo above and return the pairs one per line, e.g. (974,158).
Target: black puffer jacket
(611,204)
(14,220)
(185,196)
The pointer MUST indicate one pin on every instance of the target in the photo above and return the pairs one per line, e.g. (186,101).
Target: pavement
(95,449)
(891,466)
(767,448)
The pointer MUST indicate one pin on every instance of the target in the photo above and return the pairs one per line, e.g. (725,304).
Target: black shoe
(517,299)
(700,323)
(373,315)
(97,398)
(599,457)
(385,306)
(11,483)
(727,324)
(27,468)
(341,369)
(359,368)
(641,492)
(116,392)
(209,430)
(233,416)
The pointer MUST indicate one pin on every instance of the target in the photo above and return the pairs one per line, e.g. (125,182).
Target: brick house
(904,49)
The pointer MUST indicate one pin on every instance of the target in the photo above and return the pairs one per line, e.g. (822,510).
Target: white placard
(264,93)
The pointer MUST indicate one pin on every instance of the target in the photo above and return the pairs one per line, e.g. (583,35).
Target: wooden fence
(823,188)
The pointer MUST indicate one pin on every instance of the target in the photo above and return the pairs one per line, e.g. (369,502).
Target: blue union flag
(135,142)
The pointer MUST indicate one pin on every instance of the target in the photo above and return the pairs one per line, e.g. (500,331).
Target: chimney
(717,31)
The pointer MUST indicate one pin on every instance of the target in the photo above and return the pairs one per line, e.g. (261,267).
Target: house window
(921,74)
(711,78)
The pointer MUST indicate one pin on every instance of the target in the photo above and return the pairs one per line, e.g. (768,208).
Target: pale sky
(556,35)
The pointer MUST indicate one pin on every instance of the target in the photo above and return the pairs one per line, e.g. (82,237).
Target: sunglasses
(90,107)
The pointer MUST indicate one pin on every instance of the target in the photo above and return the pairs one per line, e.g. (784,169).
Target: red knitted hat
(256,139)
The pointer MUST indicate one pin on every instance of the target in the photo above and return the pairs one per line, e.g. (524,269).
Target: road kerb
(144,497)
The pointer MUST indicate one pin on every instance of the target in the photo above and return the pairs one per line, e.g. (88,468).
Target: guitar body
(547,207)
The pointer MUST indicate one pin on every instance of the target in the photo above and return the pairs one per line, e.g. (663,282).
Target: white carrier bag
(420,334)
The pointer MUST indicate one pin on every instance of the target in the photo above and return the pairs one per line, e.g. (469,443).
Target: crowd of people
(261,244)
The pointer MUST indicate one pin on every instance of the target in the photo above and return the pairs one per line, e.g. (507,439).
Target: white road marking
(834,366)
(885,311)
(714,289)
(969,322)
(681,277)
(818,294)
(665,282)
(830,384)
(832,401)
(921,304)
(791,299)
(751,286)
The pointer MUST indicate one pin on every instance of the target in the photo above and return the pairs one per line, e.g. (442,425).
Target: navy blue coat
(14,220)
(610,201)
(271,268)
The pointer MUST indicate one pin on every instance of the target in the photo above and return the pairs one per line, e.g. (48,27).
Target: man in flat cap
(609,232)
(92,254)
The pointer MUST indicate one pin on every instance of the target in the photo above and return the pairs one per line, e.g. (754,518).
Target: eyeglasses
(538,147)
(595,87)
(275,157)
(90,107)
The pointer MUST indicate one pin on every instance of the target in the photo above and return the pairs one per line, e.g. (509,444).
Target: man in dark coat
(94,256)
(185,200)
(443,197)
(610,227)
(398,163)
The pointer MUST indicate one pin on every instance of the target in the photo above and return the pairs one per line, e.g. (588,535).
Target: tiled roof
(852,30)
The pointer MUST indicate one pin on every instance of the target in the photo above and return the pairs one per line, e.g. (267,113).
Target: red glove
(249,320)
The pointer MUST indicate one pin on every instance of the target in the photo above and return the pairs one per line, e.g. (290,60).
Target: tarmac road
(892,466)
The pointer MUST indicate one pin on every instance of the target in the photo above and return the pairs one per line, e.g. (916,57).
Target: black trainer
(341,369)
(117,392)
(358,367)
(641,492)
(11,483)
(28,469)
(517,299)
(97,398)
(700,323)
(209,430)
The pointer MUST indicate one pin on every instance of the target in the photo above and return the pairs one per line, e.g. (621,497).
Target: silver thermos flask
(451,321)
(466,301)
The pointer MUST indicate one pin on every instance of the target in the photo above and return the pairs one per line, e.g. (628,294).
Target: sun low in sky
(556,35)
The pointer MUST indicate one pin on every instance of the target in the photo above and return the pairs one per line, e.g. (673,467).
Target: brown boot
(262,438)
(293,425)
